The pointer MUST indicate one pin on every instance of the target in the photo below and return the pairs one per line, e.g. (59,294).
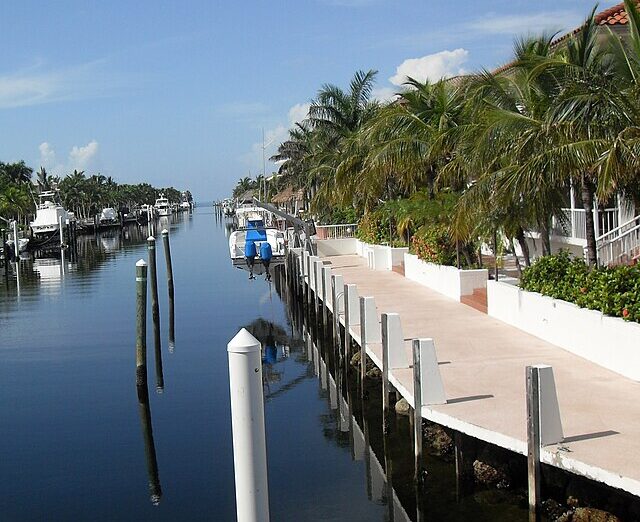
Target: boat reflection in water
(276,349)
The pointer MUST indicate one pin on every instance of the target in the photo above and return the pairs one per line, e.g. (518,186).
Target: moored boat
(161,206)
(48,214)
(257,248)
(109,217)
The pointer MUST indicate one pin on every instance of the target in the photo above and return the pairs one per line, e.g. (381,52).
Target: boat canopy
(256,231)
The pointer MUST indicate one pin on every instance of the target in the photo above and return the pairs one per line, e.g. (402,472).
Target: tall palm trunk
(545,237)
(524,246)
(587,203)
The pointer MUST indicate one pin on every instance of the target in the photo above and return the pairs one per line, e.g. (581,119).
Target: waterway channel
(78,445)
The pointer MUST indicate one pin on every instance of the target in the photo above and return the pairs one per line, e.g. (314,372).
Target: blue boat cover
(249,249)
(270,354)
(256,231)
(265,251)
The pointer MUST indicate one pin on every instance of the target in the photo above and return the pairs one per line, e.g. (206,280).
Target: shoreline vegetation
(485,158)
(85,195)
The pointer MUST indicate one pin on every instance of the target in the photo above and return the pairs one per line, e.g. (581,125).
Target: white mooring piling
(16,246)
(247,420)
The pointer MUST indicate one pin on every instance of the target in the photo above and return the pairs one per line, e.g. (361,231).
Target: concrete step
(477,300)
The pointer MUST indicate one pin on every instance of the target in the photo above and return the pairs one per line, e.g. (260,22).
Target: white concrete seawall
(482,362)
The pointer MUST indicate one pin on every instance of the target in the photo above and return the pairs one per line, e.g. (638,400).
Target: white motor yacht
(162,206)
(48,214)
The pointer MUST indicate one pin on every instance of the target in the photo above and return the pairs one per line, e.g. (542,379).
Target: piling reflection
(45,270)
(144,408)
(277,347)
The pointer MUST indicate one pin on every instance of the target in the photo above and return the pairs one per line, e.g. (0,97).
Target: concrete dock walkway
(482,362)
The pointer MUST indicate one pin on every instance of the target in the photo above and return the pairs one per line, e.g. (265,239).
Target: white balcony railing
(341,231)
(575,224)
(620,245)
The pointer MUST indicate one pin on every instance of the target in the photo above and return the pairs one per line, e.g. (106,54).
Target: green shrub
(374,227)
(434,245)
(614,291)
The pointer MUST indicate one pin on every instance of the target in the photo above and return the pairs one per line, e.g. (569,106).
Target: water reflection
(45,269)
(277,348)
(144,409)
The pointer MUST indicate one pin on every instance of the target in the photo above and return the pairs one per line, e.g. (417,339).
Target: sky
(179,92)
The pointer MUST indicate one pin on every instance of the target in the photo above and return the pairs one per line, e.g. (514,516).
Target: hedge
(614,291)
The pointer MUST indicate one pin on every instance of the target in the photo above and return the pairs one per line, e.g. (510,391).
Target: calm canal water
(75,441)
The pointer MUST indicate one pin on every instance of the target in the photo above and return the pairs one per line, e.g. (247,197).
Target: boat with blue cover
(257,247)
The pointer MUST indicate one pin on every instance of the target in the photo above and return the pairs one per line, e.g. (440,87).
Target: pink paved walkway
(482,357)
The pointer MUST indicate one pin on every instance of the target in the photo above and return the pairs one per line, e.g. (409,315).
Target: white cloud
(80,158)
(298,112)
(432,67)
(273,137)
(384,94)
(47,155)
(34,85)
(534,23)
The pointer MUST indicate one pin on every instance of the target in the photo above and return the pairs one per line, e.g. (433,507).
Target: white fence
(574,223)
(345,230)
(621,244)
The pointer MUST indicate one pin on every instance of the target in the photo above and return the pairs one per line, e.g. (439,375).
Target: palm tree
(43,180)
(17,172)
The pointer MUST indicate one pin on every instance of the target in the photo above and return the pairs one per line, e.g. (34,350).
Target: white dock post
(427,389)
(61,230)
(393,354)
(247,418)
(543,425)
(16,246)
(369,330)
(307,276)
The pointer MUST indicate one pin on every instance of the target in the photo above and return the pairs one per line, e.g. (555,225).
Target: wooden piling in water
(170,287)
(385,372)
(155,312)
(417,412)
(141,323)
(167,258)
(533,440)
(144,408)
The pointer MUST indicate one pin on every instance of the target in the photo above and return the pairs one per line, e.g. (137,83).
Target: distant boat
(162,206)
(23,242)
(48,214)
(109,217)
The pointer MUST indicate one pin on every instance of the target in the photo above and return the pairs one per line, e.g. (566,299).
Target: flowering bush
(434,245)
(614,291)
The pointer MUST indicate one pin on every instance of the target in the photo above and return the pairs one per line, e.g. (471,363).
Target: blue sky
(177,93)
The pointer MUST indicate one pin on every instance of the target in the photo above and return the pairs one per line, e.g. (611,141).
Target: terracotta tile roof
(615,15)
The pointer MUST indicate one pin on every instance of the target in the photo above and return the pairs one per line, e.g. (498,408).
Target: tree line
(85,195)
(486,154)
